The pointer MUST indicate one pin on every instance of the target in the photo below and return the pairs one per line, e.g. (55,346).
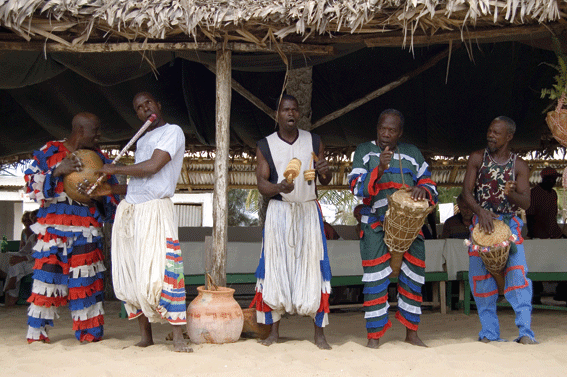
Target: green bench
(439,289)
(465,289)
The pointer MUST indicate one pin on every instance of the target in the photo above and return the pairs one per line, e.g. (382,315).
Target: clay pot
(214,317)
(253,329)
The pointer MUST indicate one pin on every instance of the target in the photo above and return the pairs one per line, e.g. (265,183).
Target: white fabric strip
(412,275)
(375,276)
(408,307)
(377,313)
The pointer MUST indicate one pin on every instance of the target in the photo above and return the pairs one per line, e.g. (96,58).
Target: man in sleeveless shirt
(377,170)
(496,187)
(294,274)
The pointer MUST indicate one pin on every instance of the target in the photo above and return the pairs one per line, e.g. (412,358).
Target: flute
(145,126)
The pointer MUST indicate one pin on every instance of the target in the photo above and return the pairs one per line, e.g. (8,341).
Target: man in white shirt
(147,267)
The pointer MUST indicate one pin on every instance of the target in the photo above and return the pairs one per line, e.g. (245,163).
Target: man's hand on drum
(102,189)
(385,158)
(68,165)
(485,218)
(285,187)
(418,193)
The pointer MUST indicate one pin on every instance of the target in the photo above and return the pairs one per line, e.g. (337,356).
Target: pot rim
(219,291)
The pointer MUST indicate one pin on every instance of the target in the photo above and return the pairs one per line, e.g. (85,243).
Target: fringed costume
(489,194)
(68,258)
(294,274)
(366,182)
(147,266)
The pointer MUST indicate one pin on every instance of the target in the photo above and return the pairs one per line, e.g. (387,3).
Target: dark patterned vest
(490,182)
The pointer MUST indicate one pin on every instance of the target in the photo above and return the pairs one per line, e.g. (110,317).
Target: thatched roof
(74,22)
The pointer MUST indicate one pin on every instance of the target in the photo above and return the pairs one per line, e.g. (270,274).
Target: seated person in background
(21,263)
(330,232)
(541,219)
(458,226)
(26,232)
(541,216)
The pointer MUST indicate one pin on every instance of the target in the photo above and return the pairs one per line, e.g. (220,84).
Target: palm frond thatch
(73,22)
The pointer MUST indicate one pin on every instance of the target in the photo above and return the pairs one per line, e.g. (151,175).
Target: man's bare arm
(265,187)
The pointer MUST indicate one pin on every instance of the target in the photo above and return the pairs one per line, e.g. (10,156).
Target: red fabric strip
(409,295)
(88,323)
(86,259)
(47,302)
(83,292)
(378,335)
(324,307)
(258,302)
(372,183)
(405,322)
(414,260)
(377,301)
(377,261)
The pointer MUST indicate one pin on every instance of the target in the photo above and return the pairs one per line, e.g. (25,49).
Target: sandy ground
(453,349)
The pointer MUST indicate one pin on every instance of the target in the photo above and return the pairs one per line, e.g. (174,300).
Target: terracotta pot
(253,329)
(214,317)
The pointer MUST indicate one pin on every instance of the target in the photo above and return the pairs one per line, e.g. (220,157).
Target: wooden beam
(222,139)
(249,96)
(287,48)
(493,34)
(380,91)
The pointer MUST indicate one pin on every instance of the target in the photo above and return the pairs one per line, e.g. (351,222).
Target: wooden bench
(438,278)
(465,289)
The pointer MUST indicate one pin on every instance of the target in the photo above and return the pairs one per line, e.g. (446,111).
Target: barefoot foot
(527,340)
(412,338)
(373,343)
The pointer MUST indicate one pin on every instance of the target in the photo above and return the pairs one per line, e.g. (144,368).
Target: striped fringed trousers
(517,287)
(376,265)
(68,269)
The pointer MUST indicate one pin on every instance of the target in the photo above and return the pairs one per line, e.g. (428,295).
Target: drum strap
(400,160)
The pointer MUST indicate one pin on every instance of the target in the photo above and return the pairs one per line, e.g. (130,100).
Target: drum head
(501,233)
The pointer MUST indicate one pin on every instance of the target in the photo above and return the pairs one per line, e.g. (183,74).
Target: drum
(494,249)
(402,223)
(91,162)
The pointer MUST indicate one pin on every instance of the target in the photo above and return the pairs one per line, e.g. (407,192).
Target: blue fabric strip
(415,318)
(413,287)
(319,319)
(377,324)
(376,289)
(38,323)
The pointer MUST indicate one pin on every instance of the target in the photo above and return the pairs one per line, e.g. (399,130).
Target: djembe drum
(402,223)
(494,249)
(91,162)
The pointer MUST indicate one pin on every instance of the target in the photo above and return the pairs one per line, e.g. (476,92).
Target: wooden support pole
(222,138)
(380,91)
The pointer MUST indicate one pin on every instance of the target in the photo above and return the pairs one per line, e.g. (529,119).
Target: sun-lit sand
(453,349)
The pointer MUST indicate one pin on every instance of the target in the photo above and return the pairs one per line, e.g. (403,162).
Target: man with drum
(495,187)
(377,171)
(68,258)
(147,266)
(294,274)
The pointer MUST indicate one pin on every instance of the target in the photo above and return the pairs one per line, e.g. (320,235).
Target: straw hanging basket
(557,121)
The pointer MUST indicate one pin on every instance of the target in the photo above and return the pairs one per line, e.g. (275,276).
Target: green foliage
(561,77)
(343,201)
(237,213)
(448,194)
